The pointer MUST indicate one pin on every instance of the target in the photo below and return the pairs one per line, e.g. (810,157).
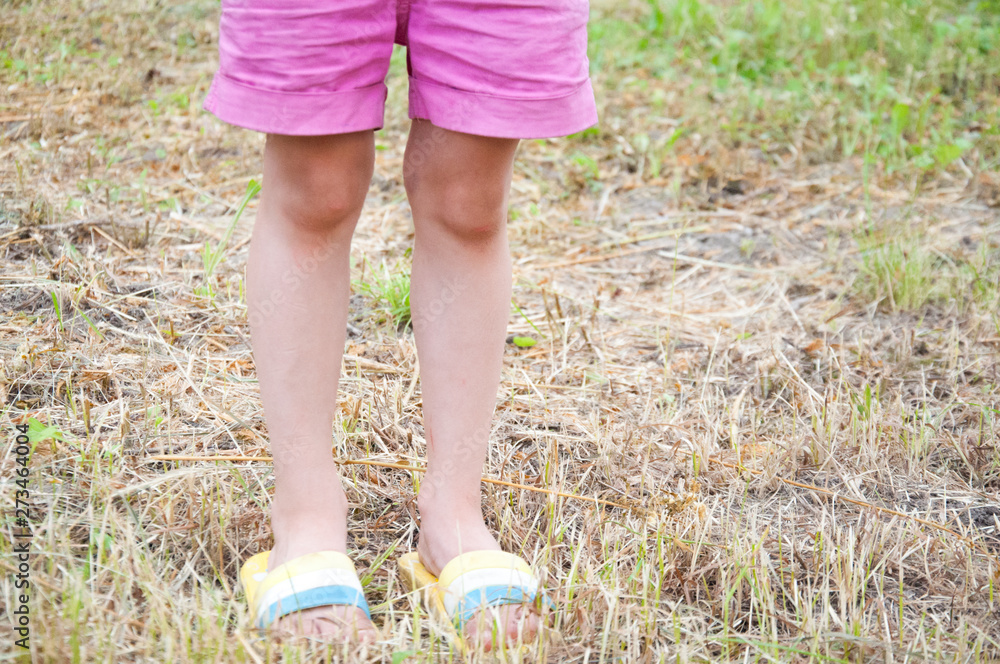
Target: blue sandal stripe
(490,596)
(312,598)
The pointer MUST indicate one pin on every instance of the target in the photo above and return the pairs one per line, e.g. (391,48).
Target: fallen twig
(55,227)
(400,466)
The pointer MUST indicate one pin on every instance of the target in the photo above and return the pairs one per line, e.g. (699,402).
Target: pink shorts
(511,69)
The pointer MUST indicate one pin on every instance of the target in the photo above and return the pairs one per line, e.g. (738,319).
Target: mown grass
(906,273)
(913,84)
(811,315)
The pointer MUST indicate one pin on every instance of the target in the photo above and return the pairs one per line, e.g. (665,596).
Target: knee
(318,191)
(320,204)
(467,211)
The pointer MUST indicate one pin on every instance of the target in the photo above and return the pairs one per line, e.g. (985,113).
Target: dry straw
(714,249)
(400,466)
(610,503)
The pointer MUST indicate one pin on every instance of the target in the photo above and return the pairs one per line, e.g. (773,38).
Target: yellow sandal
(322,578)
(470,582)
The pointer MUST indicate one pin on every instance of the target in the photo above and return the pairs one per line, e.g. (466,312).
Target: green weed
(391,293)
(901,271)
(39,432)
(212,254)
(901,268)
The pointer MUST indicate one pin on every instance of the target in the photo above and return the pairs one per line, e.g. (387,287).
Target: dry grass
(706,333)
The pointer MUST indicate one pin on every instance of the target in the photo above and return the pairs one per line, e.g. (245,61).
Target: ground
(763,297)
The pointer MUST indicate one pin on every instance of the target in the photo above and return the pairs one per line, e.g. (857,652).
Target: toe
(519,624)
(507,624)
(330,623)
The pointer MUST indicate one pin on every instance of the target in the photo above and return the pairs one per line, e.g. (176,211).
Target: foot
(300,531)
(445,535)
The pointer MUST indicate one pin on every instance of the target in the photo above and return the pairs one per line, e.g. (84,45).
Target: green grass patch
(916,83)
(903,270)
(390,291)
(899,271)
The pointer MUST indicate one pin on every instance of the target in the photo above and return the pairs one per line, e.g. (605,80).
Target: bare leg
(460,299)
(297,290)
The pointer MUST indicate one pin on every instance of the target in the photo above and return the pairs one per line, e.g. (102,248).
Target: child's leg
(460,299)
(297,290)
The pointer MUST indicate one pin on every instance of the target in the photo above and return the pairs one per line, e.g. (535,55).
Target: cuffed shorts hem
(296,113)
(484,114)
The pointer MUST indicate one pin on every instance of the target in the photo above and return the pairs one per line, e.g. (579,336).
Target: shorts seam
(424,81)
(302,93)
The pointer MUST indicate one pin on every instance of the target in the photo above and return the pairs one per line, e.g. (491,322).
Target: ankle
(448,529)
(296,509)
(449,507)
(301,528)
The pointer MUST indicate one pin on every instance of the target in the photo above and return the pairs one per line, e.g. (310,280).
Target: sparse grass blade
(761,424)
(212,253)
(390,292)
